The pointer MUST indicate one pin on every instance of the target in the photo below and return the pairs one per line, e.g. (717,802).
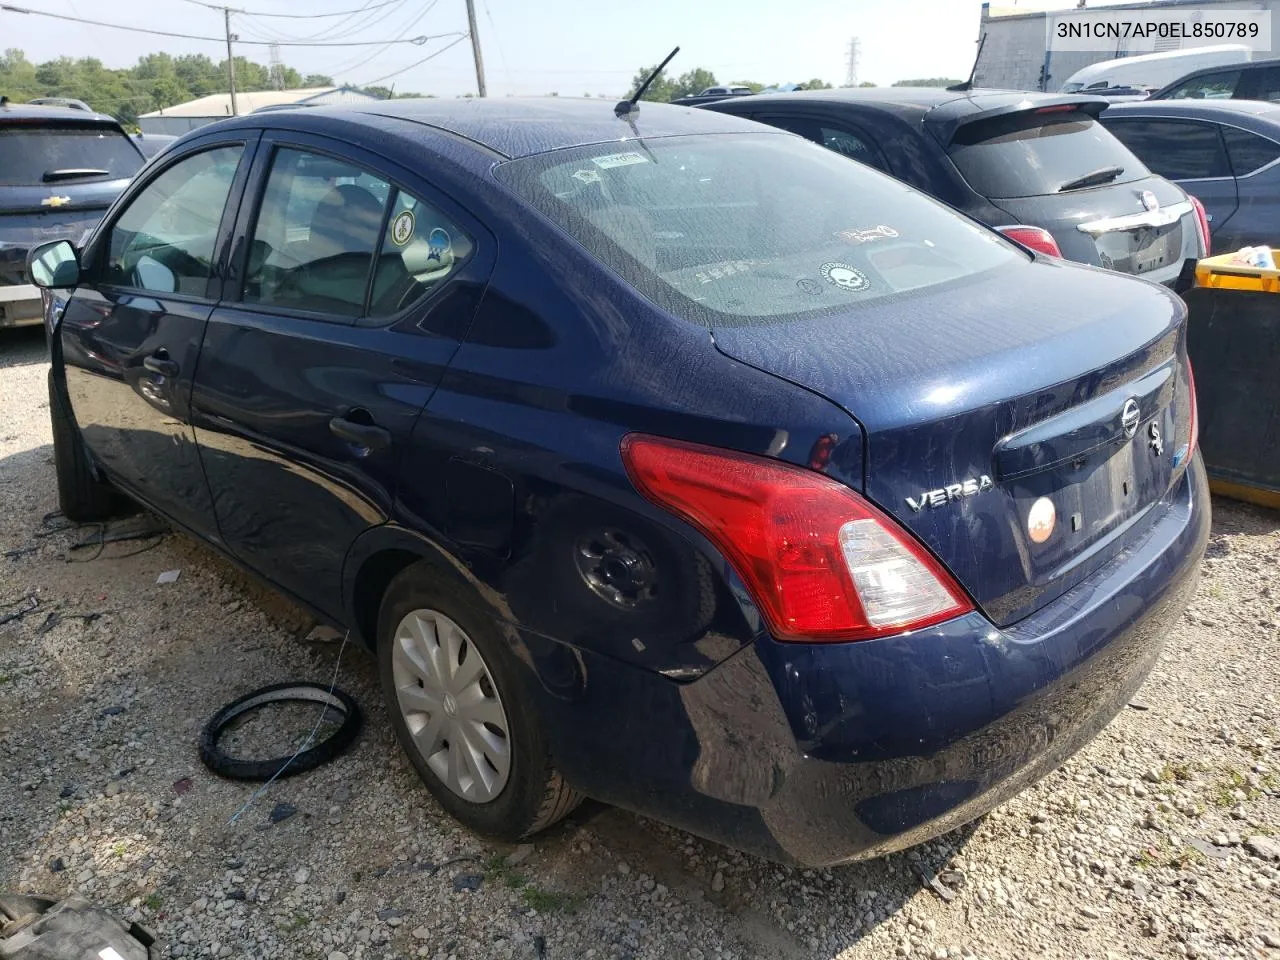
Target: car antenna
(625,107)
(968,84)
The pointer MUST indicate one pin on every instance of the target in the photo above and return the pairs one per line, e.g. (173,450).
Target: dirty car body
(61,169)
(639,333)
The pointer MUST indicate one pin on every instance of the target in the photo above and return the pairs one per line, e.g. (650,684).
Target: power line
(348,67)
(370,83)
(294,16)
(415,41)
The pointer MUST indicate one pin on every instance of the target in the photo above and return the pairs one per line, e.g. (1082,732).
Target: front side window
(316,236)
(1212,86)
(164,240)
(855,146)
(753,228)
(1175,149)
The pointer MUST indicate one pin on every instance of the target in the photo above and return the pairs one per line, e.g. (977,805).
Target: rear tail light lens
(821,562)
(1036,238)
(1202,222)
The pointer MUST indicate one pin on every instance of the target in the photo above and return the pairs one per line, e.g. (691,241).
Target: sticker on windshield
(844,276)
(868,234)
(588,176)
(402,228)
(619,160)
(439,244)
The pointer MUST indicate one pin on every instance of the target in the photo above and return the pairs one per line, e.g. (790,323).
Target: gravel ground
(1159,839)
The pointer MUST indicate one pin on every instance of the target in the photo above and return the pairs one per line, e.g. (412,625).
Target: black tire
(535,795)
(82,497)
(234,769)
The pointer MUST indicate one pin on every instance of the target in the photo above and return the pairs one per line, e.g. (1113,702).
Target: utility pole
(851,75)
(231,61)
(475,45)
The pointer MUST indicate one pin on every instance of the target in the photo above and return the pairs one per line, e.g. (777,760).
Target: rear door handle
(160,363)
(367,435)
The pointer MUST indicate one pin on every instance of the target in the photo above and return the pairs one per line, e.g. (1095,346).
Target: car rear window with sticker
(753,228)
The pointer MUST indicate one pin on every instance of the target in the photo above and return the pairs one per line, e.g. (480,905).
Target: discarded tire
(235,769)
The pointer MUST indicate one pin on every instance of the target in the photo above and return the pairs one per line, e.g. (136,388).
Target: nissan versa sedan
(658,456)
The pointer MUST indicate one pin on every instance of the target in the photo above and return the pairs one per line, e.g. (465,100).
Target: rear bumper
(825,753)
(20,305)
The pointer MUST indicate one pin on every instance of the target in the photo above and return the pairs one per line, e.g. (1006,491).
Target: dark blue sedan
(666,459)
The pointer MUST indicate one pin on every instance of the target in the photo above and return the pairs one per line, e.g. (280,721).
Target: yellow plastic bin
(1219,273)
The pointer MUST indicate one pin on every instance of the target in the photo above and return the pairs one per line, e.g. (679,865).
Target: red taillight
(1036,238)
(821,562)
(1202,221)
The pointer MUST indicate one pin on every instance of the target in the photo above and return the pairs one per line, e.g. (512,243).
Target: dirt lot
(1157,840)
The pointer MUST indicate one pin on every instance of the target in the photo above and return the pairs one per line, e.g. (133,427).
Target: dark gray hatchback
(60,169)
(1039,167)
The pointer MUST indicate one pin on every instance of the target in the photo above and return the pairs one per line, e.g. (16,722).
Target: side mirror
(54,265)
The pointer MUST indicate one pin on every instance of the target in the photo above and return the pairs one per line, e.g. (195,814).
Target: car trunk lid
(973,409)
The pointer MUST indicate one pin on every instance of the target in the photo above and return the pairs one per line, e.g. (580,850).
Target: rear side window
(1175,149)
(753,228)
(1211,86)
(1268,85)
(69,153)
(421,248)
(1248,151)
(1031,155)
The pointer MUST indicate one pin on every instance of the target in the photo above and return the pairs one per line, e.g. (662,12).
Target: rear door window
(1211,86)
(1248,151)
(66,153)
(1175,149)
(1268,84)
(316,234)
(1035,154)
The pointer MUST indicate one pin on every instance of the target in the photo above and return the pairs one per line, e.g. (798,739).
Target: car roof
(520,126)
(1220,68)
(38,111)
(941,103)
(1255,114)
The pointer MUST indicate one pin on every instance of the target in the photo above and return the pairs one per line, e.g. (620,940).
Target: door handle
(367,435)
(160,363)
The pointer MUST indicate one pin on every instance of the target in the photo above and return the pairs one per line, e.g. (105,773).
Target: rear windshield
(1031,155)
(754,227)
(79,153)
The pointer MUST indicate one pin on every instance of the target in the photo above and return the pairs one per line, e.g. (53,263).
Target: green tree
(929,82)
(868,83)
(661,90)
(755,87)
(815,84)
(693,83)
(316,80)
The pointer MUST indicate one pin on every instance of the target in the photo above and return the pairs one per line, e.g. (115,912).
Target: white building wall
(1014,55)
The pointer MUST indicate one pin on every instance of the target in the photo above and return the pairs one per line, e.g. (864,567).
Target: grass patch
(1180,772)
(297,921)
(1186,857)
(550,901)
(154,901)
(1233,781)
(497,870)
(1215,591)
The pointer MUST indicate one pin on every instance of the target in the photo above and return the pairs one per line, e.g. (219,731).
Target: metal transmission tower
(277,67)
(851,62)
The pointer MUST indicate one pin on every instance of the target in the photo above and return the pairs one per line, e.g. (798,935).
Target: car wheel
(81,495)
(461,713)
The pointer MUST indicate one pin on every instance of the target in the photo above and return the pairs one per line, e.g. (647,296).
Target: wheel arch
(374,560)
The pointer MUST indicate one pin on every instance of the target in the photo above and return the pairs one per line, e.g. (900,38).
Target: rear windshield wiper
(73,173)
(1097,177)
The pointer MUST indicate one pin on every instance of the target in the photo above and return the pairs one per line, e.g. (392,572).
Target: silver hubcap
(451,705)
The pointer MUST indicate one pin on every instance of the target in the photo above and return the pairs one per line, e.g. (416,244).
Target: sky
(533,47)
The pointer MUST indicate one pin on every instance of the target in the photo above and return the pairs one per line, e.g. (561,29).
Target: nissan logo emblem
(1129,418)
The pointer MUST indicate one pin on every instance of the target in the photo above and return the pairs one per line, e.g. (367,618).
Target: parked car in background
(1152,71)
(68,102)
(1037,166)
(1259,80)
(1226,152)
(60,168)
(732,91)
(666,458)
